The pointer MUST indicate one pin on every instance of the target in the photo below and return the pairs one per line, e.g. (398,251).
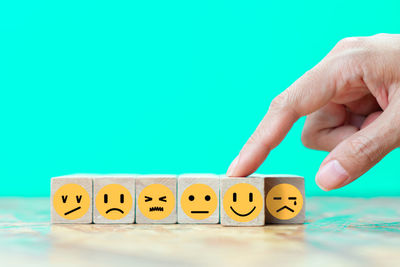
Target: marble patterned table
(339,231)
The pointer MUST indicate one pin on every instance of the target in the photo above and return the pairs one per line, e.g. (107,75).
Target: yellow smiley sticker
(71,201)
(284,201)
(156,201)
(199,201)
(114,201)
(243,202)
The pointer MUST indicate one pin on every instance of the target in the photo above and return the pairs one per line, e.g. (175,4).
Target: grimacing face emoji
(114,201)
(71,201)
(243,202)
(156,201)
(284,201)
(199,201)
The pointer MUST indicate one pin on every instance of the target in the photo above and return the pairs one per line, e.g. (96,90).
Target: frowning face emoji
(156,201)
(243,202)
(284,201)
(114,201)
(71,201)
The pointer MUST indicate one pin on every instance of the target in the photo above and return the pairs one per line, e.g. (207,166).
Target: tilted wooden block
(156,199)
(71,199)
(285,199)
(198,198)
(114,199)
(242,201)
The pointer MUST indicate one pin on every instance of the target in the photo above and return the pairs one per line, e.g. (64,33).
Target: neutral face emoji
(284,201)
(114,201)
(156,201)
(243,202)
(199,201)
(71,201)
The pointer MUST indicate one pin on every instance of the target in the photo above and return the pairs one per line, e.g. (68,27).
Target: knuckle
(307,139)
(364,149)
(312,139)
(253,138)
(349,65)
(352,65)
(355,60)
(350,42)
(383,35)
(353,50)
(280,102)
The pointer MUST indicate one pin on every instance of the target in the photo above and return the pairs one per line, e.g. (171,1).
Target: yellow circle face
(156,201)
(199,201)
(284,201)
(71,201)
(114,201)
(243,202)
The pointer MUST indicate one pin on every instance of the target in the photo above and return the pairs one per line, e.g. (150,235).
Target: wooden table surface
(339,231)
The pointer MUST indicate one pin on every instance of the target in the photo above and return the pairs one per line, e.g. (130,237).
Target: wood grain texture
(186,180)
(142,182)
(228,182)
(128,181)
(337,232)
(84,180)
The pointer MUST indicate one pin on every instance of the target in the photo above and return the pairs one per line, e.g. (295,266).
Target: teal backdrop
(164,86)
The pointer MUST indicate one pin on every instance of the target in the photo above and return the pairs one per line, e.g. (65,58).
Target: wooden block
(71,199)
(156,199)
(285,199)
(198,198)
(242,201)
(114,199)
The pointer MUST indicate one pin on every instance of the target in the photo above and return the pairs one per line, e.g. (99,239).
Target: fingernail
(233,166)
(331,176)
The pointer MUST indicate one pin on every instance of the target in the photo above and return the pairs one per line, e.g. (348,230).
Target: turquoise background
(164,86)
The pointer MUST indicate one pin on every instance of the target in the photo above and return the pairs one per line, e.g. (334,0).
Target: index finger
(306,95)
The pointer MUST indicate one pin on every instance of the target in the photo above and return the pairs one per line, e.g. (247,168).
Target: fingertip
(232,167)
(243,165)
(332,175)
(319,185)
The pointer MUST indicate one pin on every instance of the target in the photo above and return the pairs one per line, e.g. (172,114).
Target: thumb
(360,152)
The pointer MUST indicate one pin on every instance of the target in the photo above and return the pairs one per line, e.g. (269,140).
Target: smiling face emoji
(71,201)
(284,201)
(114,201)
(199,201)
(156,201)
(243,202)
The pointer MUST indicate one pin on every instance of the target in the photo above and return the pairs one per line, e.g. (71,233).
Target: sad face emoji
(284,201)
(156,201)
(114,201)
(71,201)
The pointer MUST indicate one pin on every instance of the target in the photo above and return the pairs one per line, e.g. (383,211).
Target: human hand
(352,103)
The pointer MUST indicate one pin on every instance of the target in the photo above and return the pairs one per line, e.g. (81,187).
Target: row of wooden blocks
(201,198)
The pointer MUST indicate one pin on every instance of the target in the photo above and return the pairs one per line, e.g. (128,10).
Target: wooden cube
(156,199)
(71,199)
(114,199)
(198,198)
(242,201)
(285,199)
